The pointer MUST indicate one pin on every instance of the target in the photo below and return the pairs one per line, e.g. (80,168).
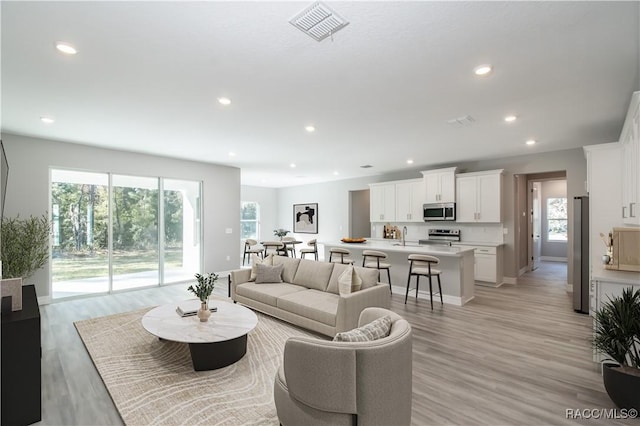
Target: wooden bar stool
(313,250)
(249,250)
(374,263)
(340,252)
(420,265)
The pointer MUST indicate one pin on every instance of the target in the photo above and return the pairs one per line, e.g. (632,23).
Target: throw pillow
(376,329)
(255,260)
(349,281)
(269,274)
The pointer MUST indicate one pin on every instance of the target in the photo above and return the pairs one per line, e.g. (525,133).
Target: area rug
(152,382)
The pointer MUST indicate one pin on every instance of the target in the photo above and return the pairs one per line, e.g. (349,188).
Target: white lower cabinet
(488,264)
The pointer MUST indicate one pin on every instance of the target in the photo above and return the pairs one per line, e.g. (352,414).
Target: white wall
(28,190)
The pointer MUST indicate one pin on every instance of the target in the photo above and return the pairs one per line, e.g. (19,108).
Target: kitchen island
(456,264)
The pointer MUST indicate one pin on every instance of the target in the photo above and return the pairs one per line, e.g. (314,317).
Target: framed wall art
(305,218)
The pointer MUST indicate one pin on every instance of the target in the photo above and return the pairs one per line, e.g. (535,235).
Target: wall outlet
(228,231)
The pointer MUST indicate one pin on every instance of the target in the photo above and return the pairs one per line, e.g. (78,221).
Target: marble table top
(229,322)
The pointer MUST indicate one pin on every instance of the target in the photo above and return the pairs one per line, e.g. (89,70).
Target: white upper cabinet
(382,202)
(479,197)
(410,196)
(630,139)
(440,185)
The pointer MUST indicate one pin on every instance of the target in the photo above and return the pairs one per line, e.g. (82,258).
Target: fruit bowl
(353,240)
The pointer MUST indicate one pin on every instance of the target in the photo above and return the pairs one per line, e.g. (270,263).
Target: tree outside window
(249,220)
(557,219)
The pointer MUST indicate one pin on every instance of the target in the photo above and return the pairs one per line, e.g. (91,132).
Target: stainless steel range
(442,236)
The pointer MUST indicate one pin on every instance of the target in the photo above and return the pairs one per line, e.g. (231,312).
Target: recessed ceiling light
(66,48)
(47,120)
(483,69)
(336,173)
(530,142)
(510,118)
(224,101)
(232,154)
(292,165)
(409,161)
(310,129)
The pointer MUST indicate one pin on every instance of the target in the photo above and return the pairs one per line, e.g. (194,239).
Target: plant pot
(623,388)
(204,313)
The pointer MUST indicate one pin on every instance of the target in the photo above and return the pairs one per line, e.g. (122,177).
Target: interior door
(535,224)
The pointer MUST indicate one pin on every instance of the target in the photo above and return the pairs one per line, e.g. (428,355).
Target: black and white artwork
(305,218)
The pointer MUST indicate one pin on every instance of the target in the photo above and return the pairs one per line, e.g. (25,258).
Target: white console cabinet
(479,197)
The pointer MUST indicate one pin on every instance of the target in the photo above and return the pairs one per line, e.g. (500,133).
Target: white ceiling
(148,74)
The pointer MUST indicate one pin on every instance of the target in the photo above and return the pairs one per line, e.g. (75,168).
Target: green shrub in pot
(617,334)
(25,245)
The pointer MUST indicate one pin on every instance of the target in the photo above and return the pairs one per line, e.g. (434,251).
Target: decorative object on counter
(617,334)
(305,218)
(203,290)
(608,242)
(280,232)
(11,293)
(353,240)
(624,249)
(391,232)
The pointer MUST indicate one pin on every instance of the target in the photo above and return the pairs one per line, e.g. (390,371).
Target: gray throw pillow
(376,329)
(269,274)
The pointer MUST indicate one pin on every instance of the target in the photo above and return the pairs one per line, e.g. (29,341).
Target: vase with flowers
(280,233)
(203,289)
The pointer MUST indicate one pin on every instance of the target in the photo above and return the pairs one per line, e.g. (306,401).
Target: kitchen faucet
(404,234)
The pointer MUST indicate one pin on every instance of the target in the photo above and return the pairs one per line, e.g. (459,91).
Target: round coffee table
(217,343)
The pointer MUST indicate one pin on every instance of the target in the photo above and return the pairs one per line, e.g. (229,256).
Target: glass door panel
(80,223)
(135,232)
(181,230)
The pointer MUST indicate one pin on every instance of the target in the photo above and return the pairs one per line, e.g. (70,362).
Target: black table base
(211,356)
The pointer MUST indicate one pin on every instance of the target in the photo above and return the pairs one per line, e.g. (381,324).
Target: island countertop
(396,246)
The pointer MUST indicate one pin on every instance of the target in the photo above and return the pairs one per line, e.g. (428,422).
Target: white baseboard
(44,300)
(553,259)
(510,280)
(523,270)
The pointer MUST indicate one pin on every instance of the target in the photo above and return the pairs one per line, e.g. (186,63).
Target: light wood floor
(517,354)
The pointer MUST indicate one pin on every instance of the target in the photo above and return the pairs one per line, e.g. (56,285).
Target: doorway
(359,221)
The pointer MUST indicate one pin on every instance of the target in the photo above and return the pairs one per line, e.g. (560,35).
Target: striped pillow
(375,330)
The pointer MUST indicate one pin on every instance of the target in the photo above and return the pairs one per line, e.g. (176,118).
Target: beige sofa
(347,383)
(309,295)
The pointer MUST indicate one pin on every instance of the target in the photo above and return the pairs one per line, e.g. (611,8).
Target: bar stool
(342,253)
(420,265)
(313,250)
(249,250)
(277,247)
(376,264)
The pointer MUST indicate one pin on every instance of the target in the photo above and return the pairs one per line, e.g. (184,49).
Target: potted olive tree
(617,334)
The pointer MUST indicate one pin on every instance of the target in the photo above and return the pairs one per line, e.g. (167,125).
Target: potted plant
(617,334)
(25,245)
(203,289)
(280,232)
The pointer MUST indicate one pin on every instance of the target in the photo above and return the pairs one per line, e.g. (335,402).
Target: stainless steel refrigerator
(581,254)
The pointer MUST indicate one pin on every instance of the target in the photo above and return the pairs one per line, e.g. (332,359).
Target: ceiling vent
(318,21)
(366,166)
(459,122)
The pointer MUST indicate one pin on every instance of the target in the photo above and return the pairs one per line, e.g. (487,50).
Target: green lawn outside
(73,267)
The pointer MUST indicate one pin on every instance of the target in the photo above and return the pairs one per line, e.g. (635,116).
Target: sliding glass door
(115,232)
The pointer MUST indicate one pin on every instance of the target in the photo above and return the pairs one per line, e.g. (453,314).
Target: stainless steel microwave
(439,211)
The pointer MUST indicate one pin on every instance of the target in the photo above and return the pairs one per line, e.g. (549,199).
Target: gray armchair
(347,383)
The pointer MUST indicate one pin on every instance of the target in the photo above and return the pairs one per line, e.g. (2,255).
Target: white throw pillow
(255,260)
(349,281)
(376,329)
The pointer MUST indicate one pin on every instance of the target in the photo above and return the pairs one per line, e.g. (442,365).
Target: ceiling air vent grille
(459,122)
(318,21)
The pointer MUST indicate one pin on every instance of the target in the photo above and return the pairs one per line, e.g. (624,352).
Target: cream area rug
(152,382)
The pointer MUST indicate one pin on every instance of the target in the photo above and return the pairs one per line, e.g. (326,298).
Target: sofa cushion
(290,267)
(313,274)
(376,329)
(313,304)
(369,277)
(267,293)
(349,281)
(255,260)
(269,274)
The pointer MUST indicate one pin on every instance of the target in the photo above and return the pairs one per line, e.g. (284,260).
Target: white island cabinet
(456,264)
